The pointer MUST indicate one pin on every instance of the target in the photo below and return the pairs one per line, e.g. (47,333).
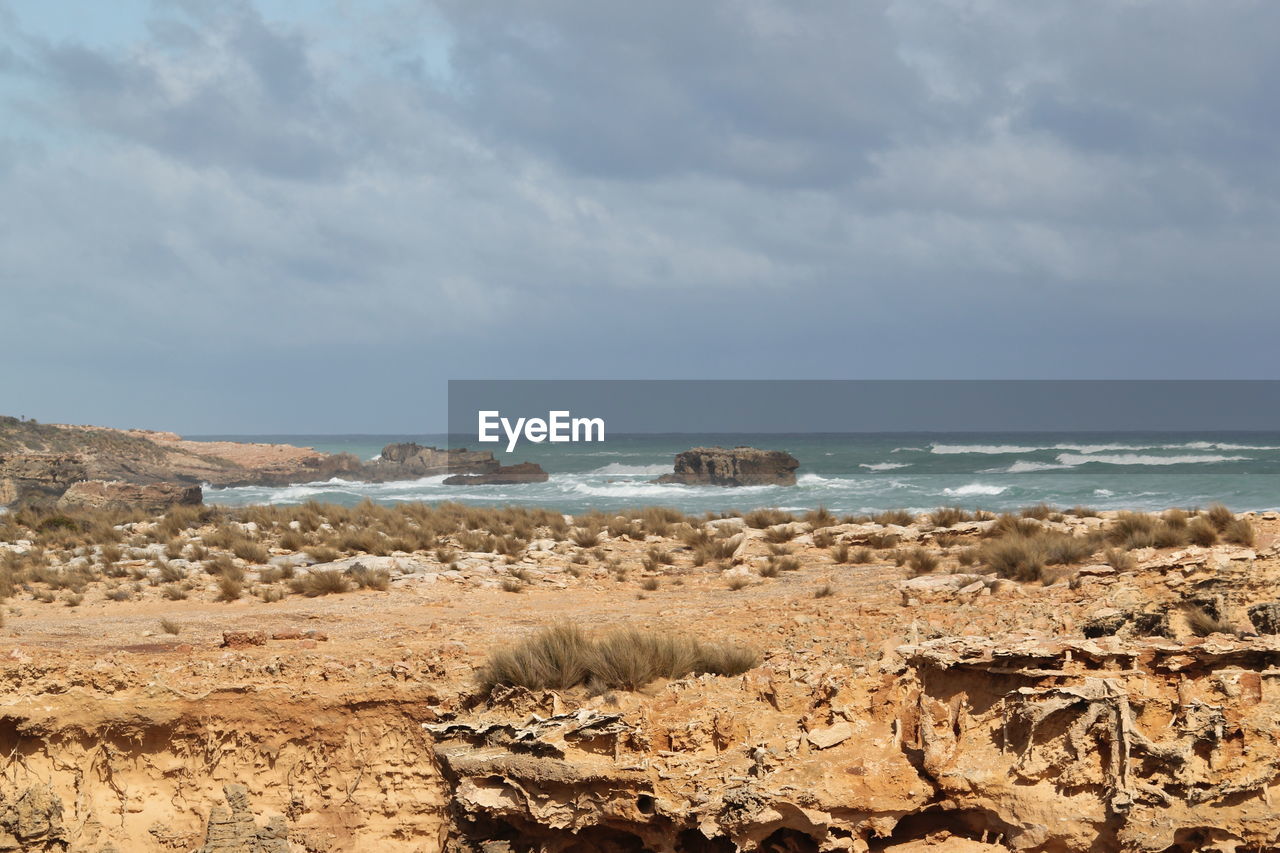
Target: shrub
(823,538)
(660,557)
(173,592)
(270,594)
(786,563)
(862,556)
(1040,512)
(1135,530)
(1219,516)
(1202,624)
(840,553)
(947,516)
(882,540)
(819,518)
(562,657)
(1239,532)
(900,517)
(759,519)
(1017,557)
(229,588)
(322,553)
(824,591)
(366,578)
(555,658)
(321,582)
(585,537)
(1120,560)
(780,533)
(649,584)
(1065,550)
(249,551)
(512,585)
(921,562)
(1200,531)
(170,627)
(768,570)
(738,582)
(1012,525)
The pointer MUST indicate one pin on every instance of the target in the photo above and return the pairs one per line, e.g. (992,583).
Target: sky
(275,216)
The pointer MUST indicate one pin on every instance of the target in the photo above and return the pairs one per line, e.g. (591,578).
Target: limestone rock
(503,475)
(115,495)
(408,460)
(37,478)
(739,466)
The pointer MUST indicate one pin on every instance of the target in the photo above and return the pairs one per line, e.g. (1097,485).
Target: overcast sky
(274,216)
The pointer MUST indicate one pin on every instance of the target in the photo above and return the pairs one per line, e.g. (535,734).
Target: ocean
(846,473)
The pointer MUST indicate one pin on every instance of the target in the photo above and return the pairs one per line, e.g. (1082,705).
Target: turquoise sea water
(847,473)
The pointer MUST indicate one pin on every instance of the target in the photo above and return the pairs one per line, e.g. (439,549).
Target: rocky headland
(40,463)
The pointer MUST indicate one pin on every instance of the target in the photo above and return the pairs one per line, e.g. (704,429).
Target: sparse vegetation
(563,657)
(321,582)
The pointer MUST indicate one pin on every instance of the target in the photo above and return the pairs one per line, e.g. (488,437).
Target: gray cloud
(265,208)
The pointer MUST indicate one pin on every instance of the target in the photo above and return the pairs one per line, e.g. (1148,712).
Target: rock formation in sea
(503,475)
(738,466)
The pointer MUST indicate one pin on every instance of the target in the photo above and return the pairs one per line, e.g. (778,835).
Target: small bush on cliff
(1239,532)
(1219,516)
(563,657)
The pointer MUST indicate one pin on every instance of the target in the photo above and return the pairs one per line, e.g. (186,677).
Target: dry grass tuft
(562,657)
(321,582)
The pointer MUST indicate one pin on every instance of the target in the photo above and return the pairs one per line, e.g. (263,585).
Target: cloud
(681,189)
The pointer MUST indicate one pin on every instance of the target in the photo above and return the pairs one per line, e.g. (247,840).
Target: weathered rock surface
(503,475)
(738,466)
(29,478)
(115,495)
(409,460)
(233,830)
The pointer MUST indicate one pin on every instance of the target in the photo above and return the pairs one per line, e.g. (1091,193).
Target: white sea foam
(975,489)
(618,469)
(1001,449)
(953,449)
(1141,459)
(1027,466)
(884,466)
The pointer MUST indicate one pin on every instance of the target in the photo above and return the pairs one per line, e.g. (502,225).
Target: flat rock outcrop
(503,475)
(738,466)
(409,460)
(115,495)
